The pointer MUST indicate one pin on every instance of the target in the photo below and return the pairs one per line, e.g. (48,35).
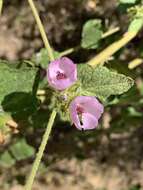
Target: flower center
(79,110)
(60,76)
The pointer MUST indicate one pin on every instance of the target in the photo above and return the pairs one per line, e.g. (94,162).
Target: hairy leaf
(15,80)
(102,82)
(21,150)
(91,34)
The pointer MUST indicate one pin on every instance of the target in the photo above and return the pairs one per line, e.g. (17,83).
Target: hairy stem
(39,155)
(41,29)
(111,49)
(46,135)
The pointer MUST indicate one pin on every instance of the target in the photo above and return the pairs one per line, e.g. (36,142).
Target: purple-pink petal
(62,73)
(89,121)
(85,112)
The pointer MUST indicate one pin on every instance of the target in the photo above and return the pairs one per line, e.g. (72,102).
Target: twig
(110,32)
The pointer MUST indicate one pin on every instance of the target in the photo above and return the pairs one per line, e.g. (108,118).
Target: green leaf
(91,34)
(102,82)
(15,80)
(12,64)
(127,1)
(135,187)
(20,104)
(42,58)
(4,117)
(6,160)
(136,24)
(21,150)
(133,112)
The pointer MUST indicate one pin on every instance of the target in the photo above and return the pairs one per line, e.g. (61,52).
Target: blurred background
(109,158)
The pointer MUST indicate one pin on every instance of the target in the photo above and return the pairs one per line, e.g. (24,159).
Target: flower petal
(91,105)
(74,115)
(65,66)
(92,110)
(60,84)
(69,68)
(89,121)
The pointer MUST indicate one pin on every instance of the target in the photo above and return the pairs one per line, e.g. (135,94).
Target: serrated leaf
(15,80)
(21,150)
(6,160)
(91,34)
(102,82)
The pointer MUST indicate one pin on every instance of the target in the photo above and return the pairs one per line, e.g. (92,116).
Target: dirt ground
(94,164)
(104,163)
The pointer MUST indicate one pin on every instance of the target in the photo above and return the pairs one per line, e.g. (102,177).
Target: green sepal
(60,100)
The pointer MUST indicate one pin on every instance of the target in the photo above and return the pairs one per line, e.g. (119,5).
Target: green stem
(1,5)
(39,155)
(69,51)
(41,29)
(110,32)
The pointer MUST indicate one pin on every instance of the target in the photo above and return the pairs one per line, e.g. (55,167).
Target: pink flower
(62,73)
(85,112)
